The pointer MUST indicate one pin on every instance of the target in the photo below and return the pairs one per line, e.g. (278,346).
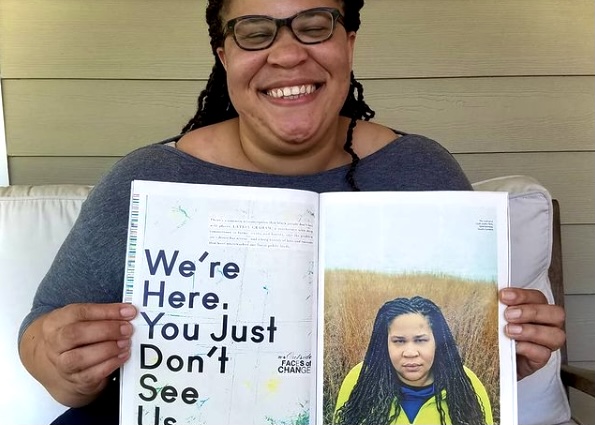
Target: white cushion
(34,220)
(541,396)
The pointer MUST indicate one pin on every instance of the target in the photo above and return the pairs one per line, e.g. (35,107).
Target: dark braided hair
(214,104)
(378,387)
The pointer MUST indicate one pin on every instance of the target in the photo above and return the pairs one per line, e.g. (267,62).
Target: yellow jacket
(428,413)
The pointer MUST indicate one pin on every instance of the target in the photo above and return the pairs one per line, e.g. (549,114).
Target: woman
(412,373)
(281,109)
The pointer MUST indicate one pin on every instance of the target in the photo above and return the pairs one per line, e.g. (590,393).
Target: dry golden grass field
(352,299)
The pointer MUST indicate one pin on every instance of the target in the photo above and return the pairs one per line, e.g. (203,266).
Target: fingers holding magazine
(536,326)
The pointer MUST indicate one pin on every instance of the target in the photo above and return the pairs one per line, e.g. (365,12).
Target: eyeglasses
(258,32)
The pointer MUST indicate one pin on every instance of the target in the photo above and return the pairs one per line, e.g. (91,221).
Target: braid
(214,104)
(378,388)
(356,108)
(463,404)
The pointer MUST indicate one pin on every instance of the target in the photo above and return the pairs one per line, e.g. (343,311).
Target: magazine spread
(247,316)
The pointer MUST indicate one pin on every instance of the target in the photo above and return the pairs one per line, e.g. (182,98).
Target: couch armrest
(579,378)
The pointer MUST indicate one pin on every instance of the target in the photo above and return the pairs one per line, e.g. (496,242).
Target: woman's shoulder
(371,138)
(160,160)
(469,372)
(348,384)
(353,375)
(412,162)
(475,381)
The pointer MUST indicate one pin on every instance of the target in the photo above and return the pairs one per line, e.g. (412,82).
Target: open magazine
(262,306)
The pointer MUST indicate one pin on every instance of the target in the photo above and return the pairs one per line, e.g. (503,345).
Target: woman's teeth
(292,92)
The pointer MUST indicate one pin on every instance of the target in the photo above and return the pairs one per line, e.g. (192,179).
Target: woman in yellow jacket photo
(412,373)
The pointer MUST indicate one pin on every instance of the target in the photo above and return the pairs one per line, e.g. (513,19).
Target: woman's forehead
(274,8)
(409,321)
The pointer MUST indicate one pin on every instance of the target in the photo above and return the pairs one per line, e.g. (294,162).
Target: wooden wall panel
(578,258)
(94,117)
(58,170)
(580,326)
(582,406)
(569,176)
(574,187)
(112,117)
(586,365)
(136,39)
(491,114)
(104,39)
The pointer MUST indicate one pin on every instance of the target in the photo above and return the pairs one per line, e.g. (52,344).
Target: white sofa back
(34,221)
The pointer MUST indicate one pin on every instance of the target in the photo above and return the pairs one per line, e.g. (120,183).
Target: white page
(262,243)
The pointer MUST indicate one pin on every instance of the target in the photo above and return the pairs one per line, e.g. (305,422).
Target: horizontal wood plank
(491,114)
(112,117)
(58,170)
(104,39)
(168,39)
(94,118)
(585,365)
(568,175)
(580,327)
(582,406)
(578,258)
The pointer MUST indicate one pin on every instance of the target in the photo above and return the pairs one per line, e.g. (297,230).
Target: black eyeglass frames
(258,32)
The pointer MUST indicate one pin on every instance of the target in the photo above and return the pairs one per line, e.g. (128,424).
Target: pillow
(34,220)
(542,399)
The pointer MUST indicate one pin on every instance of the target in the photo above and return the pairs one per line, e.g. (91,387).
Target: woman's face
(257,79)
(411,348)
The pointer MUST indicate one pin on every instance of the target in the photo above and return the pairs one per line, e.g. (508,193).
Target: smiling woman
(281,108)
(279,77)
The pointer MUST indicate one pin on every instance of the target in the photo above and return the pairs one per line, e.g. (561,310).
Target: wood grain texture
(580,326)
(58,170)
(582,407)
(586,365)
(94,118)
(568,176)
(168,39)
(578,259)
(573,186)
(112,117)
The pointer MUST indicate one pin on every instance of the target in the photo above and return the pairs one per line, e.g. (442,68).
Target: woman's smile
(291,92)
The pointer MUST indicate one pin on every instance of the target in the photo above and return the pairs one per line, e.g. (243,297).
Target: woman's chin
(295,135)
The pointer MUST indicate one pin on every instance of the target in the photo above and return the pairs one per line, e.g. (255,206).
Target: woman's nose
(410,351)
(287,51)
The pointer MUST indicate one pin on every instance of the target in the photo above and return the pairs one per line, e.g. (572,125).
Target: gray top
(89,267)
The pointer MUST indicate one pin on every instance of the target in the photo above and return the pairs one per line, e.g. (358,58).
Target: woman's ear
(222,57)
(351,36)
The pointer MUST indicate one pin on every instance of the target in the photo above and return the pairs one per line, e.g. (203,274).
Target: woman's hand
(535,325)
(73,350)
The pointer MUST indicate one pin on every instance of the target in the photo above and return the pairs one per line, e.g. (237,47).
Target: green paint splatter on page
(302,418)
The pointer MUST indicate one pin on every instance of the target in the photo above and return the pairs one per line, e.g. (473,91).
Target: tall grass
(352,299)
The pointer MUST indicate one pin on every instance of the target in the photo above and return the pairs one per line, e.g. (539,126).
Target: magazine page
(410,327)
(223,280)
